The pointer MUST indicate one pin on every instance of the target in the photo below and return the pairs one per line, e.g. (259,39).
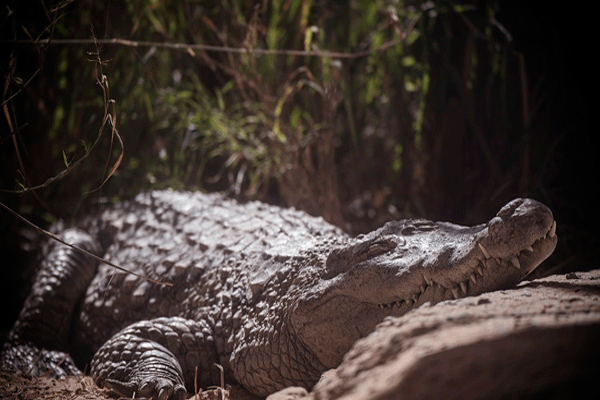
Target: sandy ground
(17,387)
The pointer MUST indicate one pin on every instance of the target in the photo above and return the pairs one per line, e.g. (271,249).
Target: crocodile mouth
(519,265)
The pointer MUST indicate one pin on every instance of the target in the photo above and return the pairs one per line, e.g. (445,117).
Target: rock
(539,340)
(290,393)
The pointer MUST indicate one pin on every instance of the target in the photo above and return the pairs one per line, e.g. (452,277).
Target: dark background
(357,159)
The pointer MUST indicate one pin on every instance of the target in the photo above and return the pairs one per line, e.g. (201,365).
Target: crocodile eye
(344,258)
(377,248)
(416,226)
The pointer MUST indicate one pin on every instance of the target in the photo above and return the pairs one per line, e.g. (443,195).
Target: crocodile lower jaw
(527,259)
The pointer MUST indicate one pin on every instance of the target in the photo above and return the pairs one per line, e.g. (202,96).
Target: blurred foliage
(433,117)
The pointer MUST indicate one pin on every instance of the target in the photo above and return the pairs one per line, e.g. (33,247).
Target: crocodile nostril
(495,226)
(509,209)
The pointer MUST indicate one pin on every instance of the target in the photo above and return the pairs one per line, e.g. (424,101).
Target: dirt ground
(18,387)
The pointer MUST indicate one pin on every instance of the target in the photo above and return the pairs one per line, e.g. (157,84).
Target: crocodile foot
(33,361)
(149,387)
(132,366)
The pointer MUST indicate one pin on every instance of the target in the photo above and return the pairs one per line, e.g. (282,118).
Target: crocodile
(273,296)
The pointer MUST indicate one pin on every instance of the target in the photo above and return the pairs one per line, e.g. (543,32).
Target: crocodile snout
(517,226)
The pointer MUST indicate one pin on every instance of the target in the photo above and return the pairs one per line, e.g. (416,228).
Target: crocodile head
(411,262)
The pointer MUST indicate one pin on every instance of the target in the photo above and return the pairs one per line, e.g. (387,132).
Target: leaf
(308,34)
(66,161)
(408,61)
(220,101)
(412,37)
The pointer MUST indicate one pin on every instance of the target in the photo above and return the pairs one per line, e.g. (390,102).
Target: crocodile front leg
(36,343)
(156,358)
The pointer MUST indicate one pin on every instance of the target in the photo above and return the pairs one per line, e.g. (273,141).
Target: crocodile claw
(152,387)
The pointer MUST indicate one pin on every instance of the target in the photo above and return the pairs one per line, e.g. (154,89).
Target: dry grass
(18,387)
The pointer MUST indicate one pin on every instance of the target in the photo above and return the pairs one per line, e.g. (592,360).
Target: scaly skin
(273,295)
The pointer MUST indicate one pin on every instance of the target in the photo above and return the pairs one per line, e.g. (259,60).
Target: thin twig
(109,118)
(12,96)
(221,49)
(82,251)
(15,129)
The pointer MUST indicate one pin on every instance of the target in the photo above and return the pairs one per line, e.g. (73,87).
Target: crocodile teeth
(428,280)
(463,286)
(552,232)
(529,249)
(398,303)
(455,293)
(515,262)
(483,250)
(380,306)
(480,270)
(473,278)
